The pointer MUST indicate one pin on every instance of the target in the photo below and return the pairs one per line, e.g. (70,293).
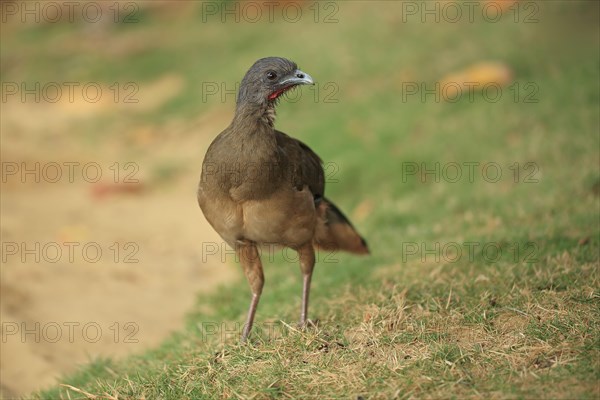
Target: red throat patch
(279,92)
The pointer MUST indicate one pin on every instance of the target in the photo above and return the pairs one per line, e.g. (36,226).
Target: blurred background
(108,108)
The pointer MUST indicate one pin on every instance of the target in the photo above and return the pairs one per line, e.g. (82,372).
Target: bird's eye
(271,75)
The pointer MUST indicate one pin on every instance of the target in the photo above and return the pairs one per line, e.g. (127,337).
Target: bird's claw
(308,323)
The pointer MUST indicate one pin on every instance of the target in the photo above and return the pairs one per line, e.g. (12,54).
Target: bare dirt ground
(62,304)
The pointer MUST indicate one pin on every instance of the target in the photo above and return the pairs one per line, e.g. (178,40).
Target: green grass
(390,325)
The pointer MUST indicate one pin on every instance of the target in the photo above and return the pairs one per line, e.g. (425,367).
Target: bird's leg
(307,264)
(250,260)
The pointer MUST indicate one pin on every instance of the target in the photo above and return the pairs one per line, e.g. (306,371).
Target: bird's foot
(308,323)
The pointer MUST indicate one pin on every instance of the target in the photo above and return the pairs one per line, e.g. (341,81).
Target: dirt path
(59,311)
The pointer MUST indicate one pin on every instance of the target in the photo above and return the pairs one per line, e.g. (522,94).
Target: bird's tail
(335,232)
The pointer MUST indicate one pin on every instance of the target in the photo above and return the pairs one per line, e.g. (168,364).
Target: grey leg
(307,264)
(252,265)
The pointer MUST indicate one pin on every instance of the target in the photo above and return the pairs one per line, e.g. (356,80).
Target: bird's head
(268,79)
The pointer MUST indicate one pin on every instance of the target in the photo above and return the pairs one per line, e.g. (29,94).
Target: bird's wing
(304,165)
(333,231)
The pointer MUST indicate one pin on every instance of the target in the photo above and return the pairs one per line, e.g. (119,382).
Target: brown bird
(261,187)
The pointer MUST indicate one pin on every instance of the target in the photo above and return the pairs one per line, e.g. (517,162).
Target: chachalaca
(260,186)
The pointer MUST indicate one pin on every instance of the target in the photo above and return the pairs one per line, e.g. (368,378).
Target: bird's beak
(299,78)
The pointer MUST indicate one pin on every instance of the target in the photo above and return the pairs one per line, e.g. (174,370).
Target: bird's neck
(255,138)
(259,116)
